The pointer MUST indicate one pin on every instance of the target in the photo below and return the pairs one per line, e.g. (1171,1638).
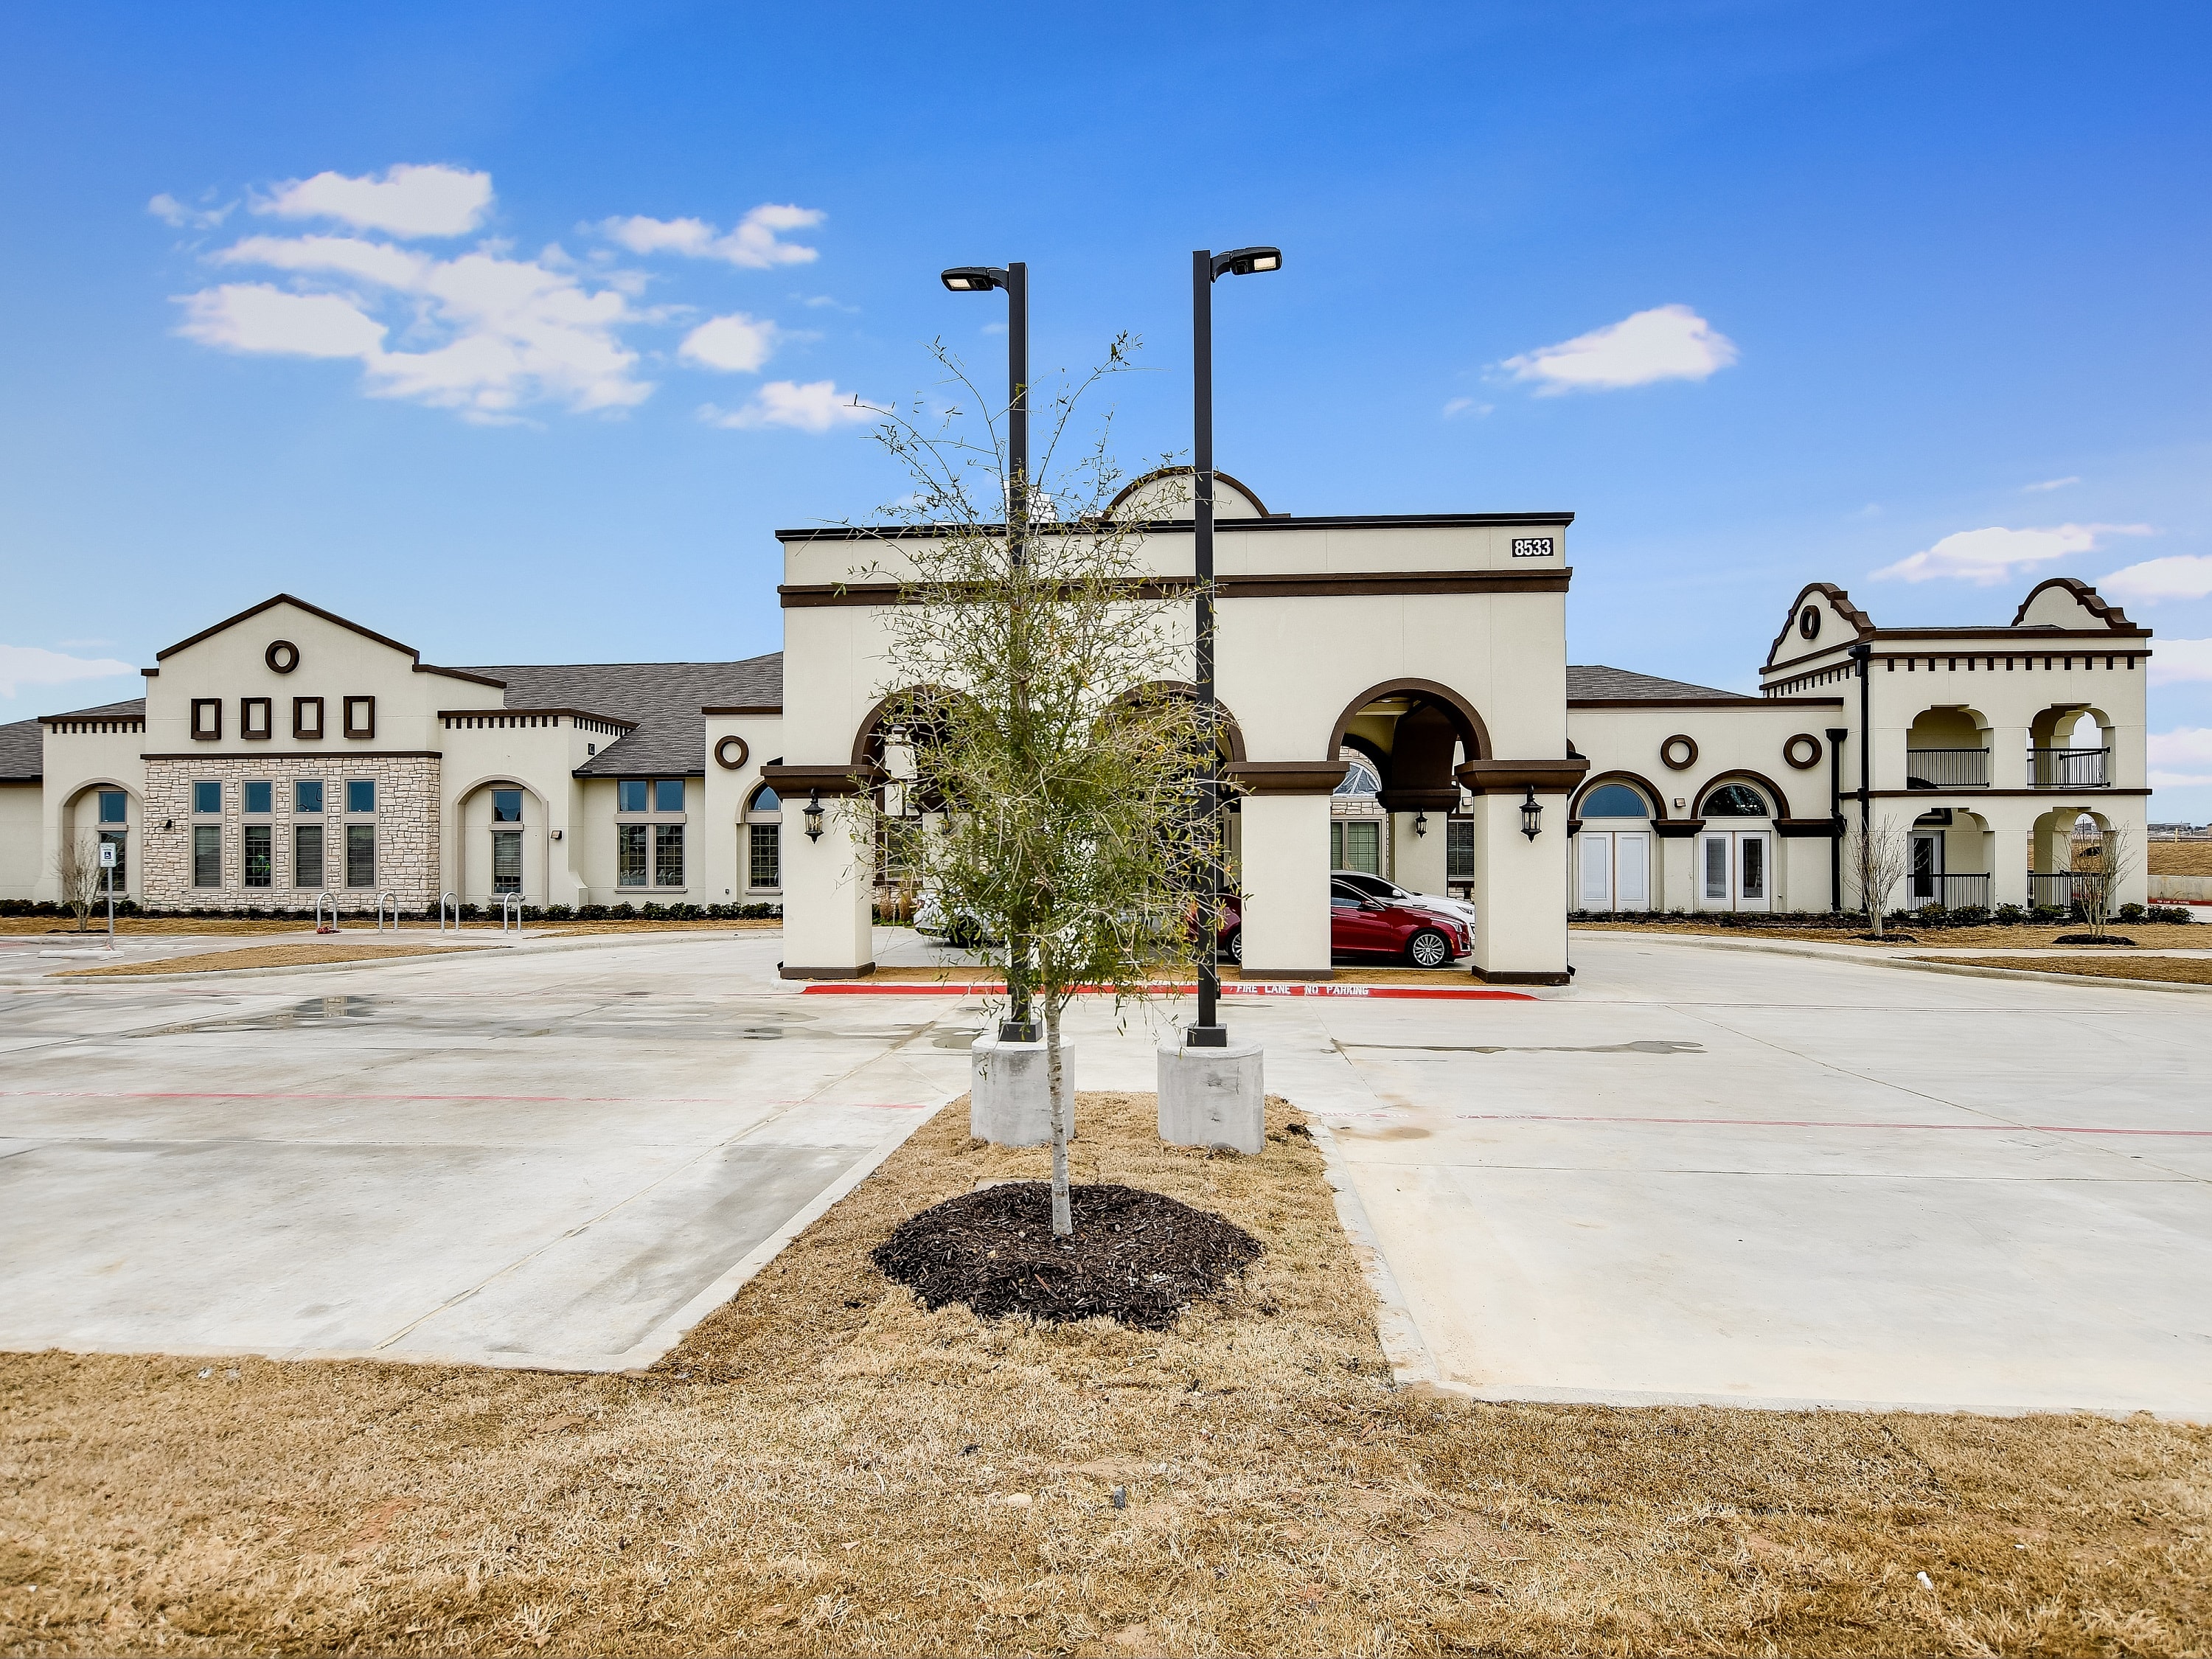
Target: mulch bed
(1137,1257)
(2093,939)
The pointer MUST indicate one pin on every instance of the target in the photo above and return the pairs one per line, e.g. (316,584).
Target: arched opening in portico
(103,810)
(502,846)
(1414,735)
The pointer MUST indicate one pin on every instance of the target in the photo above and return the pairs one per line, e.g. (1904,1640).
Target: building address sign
(1532,547)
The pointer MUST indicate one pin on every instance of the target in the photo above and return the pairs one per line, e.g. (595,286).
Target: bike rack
(510,908)
(382,899)
(331,899)
(448,902)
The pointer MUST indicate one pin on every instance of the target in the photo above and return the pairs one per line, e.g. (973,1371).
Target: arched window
(1613,800)
(1361,779)
(765,806)
(764,841)
(1735,800)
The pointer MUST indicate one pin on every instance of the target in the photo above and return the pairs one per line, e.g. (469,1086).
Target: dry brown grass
(2178,971)
(213,927)
(986,975)
(824,1468)
(566,929)
(2178,858)
(2163,936)
(261,956)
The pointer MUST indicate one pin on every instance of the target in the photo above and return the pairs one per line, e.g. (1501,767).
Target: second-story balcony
(1947,768)
(2069,769)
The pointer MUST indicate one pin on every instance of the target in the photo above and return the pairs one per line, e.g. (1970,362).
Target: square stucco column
(1417,862)
(1286,881)
(1519,892)
(828,895)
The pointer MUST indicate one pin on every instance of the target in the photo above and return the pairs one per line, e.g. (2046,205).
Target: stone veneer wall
(406,818)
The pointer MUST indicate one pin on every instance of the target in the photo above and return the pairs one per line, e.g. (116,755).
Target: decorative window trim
(365,725)
(308,719)
(207,720)
(257,730)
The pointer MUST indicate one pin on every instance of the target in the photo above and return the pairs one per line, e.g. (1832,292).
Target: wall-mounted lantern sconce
(1532,815)
(557,835)
(813,815)
(1420,823)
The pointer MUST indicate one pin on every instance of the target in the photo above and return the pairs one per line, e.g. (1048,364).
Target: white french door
(1615,872)
(1735,870)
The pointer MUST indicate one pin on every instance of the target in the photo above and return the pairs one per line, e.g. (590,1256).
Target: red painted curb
(1288,988)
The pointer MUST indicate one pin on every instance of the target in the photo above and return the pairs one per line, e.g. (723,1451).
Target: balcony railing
(1952,892)
(2062,890)
(2068,768)
(1946,768)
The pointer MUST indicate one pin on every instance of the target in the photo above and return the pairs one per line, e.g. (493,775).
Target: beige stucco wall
(22,811)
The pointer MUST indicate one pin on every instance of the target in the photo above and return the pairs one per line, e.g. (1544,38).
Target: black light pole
(1205,268)
(1020,1026)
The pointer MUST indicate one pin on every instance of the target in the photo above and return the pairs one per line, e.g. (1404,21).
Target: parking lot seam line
(1395,1329)
(1289,988)
(1819,1123)
(1846,954)
(1547,1396)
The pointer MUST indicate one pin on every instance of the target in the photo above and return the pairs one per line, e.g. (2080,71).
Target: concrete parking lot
(1700,1173)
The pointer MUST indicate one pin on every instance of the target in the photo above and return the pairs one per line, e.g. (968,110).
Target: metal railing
(510,913)
(1946,768)
(449,902)
(384,901)
(331,899)
(2068,768)
(1952,892)
(2063,890)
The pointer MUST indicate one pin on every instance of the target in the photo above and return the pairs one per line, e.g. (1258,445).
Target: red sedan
(1360,926)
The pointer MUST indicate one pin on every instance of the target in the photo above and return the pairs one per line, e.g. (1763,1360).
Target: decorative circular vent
(1679,753)
(729,753)
(283,656)
(1802,751)
(1809,622)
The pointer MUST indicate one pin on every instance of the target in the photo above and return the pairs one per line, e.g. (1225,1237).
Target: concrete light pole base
(1213,1096)
(1009,1101)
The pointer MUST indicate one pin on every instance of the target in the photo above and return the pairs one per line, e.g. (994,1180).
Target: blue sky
(1841,290)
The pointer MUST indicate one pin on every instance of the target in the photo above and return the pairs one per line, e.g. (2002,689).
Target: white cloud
(737,342)
(2185,576)
(407,201)
(818,301)
(2189,747)
(1668,343)
(1466,406)
(255,317)
(757,242)
(2176,661)
(2047,485)
(1988,556)
(815,407)
(170,211)
(24,665)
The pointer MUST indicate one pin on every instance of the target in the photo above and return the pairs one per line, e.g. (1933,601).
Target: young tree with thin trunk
(1036,776)
(1878,855)
(76,867)
(2097,888)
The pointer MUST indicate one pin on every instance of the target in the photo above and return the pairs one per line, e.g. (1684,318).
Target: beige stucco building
(1398,699)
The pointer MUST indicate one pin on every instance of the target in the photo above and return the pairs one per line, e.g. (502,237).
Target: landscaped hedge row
(468,911)
(1853,922)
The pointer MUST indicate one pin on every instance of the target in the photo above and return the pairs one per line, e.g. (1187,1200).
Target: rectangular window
(1459,849)
(668,855)
(767,852)
(361,717)
(207,719)
(307,855)
(207,855)
(360,795)
(259,865)
(1716,867)
(1752,849)
(306,717)
(114,806)
(308,795)
(629,795)
(360,855)
(507,860)
(207,795)
(1362,847)
(668,795)
(507,806)
(259,794)
(119,840)
(630,854)
(257,718)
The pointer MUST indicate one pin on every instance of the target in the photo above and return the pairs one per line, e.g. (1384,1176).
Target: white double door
(1615,869)
(1735,870)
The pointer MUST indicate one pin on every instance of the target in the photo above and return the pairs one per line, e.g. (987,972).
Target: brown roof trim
(150,673)
(573,713)
(1288,777)
(1704,702)
(746,709)
(831,781)
(1974,792)
(1807,829)
(302,754)
(1551,777)
(1838,599)
(807,596)
(285,599)
(1236,484)
(2083,594)
(460,674)
(2037,631)
(1226,526)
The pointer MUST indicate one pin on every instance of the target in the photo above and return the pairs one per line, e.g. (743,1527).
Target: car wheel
(1428,949)
(1233,945)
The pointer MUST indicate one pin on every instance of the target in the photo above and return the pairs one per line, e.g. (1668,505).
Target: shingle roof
(1595,682)
(133,710)
(22,752)
(664,698)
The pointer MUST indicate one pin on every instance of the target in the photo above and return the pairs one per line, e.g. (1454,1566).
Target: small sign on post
(107,865)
